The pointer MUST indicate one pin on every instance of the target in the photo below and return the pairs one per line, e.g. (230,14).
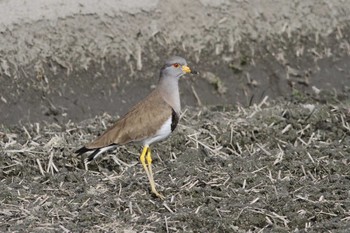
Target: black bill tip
(194,72)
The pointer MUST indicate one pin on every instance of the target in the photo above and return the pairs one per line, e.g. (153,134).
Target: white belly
(161,134)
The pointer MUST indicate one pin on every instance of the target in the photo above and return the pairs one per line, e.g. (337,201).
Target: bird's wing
(142,121)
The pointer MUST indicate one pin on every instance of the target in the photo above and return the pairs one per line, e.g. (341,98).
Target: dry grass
(279,167)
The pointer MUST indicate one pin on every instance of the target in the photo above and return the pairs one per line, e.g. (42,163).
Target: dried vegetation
(274,166)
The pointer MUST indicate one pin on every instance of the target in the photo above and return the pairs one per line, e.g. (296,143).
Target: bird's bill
(187,70)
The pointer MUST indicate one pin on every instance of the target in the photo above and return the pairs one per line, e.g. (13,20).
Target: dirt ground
(263,144)
(273,167)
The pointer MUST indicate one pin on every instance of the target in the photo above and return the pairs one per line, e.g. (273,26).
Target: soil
(278,166)
(262,144)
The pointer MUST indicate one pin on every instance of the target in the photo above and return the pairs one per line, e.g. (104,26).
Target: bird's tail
(94,152)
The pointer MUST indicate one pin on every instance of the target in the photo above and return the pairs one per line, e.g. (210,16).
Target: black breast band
(174,120)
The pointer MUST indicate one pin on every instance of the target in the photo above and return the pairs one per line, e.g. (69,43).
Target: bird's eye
(176,65)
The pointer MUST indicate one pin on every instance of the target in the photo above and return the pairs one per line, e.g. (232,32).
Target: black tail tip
(91,156)
(81,150)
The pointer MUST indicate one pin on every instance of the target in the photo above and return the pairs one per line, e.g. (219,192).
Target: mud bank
(71,61)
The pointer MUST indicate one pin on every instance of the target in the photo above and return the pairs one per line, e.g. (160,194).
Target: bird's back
(143,120)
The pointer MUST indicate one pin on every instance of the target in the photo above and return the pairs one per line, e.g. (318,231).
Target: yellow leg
(146,156)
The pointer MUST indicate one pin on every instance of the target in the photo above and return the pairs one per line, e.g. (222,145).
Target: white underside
(161,134)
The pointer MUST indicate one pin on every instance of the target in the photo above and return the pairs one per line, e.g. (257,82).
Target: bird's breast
(163,132)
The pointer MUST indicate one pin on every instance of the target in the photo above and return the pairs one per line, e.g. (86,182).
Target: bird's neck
(169,89)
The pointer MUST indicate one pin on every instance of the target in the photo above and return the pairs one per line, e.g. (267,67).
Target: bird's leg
(153,185)
(148,169)
(143,161)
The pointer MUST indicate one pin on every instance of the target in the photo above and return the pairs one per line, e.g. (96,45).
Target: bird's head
(176,67)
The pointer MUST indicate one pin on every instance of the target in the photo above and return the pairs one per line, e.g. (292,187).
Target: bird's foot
(155,192)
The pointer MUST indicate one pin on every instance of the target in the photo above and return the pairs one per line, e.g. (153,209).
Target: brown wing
(143,120)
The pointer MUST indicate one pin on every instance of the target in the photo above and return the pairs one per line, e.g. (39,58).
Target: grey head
(175,67)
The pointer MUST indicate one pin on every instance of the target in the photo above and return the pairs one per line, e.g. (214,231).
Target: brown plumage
(130,128)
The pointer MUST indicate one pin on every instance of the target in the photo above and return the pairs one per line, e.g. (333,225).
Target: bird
(151,120)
